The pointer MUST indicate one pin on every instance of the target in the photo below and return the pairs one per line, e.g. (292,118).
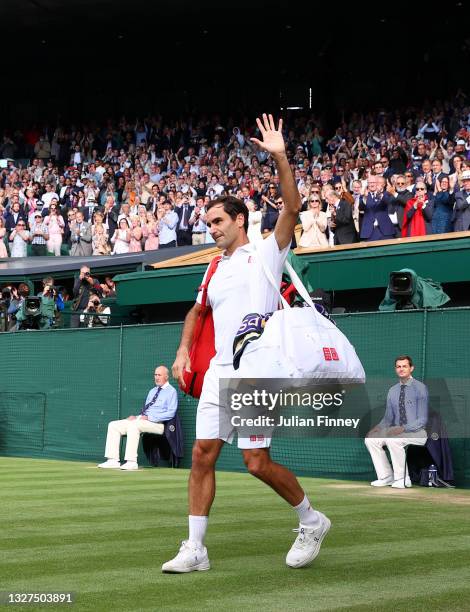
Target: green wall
(445,261)
(59,389)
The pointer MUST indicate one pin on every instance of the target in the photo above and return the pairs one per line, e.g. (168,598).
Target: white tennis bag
(300,343)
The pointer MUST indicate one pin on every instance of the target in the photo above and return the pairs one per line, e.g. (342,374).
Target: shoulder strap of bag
(210,273)
(294,277)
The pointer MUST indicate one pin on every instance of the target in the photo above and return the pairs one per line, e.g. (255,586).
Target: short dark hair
(232,206)
(403,358)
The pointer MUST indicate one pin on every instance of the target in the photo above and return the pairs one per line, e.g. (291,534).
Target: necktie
(185,217)
(151,402)
(401,406)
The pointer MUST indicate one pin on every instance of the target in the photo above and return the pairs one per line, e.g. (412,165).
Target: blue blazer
(377,208)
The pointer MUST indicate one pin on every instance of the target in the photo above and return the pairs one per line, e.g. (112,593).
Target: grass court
(103,534)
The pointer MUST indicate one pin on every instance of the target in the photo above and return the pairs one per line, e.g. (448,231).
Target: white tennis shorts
(211,423)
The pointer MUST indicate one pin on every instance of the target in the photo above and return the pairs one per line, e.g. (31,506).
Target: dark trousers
(167,245)
(39,250)
(184,237)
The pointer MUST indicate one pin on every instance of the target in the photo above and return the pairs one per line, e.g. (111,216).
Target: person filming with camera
(84,286)
(95,314)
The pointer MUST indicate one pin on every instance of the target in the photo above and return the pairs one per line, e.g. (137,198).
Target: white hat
(465,175)
(461,141)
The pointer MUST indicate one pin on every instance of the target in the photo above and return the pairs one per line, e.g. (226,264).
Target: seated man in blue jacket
(160,406)
(376,223)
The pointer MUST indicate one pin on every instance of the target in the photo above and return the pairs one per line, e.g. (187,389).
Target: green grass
(104,535)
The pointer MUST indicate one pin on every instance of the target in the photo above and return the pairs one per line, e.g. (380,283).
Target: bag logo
(330,353)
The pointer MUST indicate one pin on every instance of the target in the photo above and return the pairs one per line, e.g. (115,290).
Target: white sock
(197,529)
(307,515)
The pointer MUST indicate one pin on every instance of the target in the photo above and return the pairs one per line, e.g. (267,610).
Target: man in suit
(14,215)
(376,223)
(401,195)
(160,406)
(183,229)
(433,175)
(342,222)
(80,233)
(461,217)
(110,215)
(404,423)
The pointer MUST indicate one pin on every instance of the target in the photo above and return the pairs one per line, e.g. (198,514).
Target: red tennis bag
(202,348)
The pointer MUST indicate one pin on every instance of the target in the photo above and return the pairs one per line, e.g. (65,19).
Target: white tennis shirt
(240,287)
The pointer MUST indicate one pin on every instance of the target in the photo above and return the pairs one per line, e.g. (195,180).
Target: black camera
(96,303)
(401,288)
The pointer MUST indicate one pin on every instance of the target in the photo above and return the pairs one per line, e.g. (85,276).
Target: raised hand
(273,141)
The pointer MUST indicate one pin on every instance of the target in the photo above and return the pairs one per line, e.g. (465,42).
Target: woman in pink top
(55,223)
(3,248)
(135,245)
(152,242)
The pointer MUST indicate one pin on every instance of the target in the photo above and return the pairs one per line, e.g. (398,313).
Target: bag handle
(210,273)
(270,277)
(294,278)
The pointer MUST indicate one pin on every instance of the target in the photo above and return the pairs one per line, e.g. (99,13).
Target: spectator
(314,225)
(14,216)
(121,237)
(3,233)
(39,235)
(417,216)
(168,221)
(461,215)
(404,423)
(197,224)
(341,224)
(401,196)
(255,218)
(100,240)
(80,232)
(135,245)
(160,406)
(55,225)
(95,313)
(19,238)
(47,198)
(151,232)
(183,228)
(271,210)
(443,207)
(377,204)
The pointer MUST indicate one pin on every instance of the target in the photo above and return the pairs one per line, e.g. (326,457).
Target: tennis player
(239,286)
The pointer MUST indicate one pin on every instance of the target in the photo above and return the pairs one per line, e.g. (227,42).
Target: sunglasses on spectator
(420,189)
(21,225)
(401,183)
(312,200)
(338,188)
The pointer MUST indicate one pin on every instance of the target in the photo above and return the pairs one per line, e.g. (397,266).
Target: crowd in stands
(125,186)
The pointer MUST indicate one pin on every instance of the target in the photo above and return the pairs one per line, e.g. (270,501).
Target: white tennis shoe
(191,558)
(307,544)
(130,465)
(382,482)
(110,464)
